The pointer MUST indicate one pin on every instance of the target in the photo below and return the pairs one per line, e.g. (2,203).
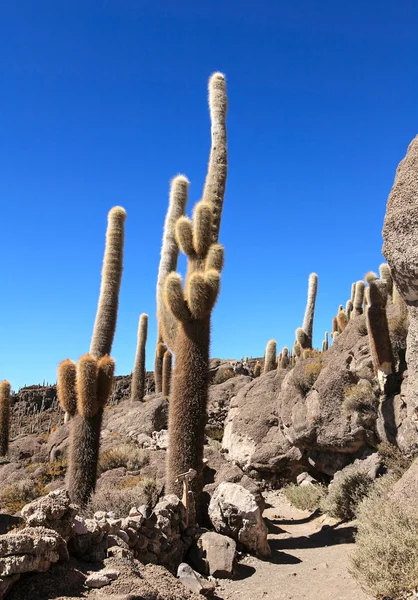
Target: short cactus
(284,359)
(4,417)
(139,373)
(167,365)
(342,320)
(378,329)
(297,350)
(386,276)
(257,369)
(270,356)
(334,327)
(66,388)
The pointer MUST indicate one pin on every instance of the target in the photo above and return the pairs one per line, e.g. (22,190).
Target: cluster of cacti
(83,389)
(4,416)
(304,334)
(139,373)
(190,307)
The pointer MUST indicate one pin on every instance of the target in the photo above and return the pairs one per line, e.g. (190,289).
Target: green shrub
(385,559)
(124,455)
(345,494)
(304,497)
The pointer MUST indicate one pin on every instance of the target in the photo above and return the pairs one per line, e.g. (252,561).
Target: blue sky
(103,101)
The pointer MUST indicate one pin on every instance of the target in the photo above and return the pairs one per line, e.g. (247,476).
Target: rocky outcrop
(53,511)
(219,400)
(400,233)
(234,512)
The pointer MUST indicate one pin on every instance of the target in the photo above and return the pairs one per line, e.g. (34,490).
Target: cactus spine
(270,356)
(138,376)
(307,327)
(167,365)
(192,307)
(358,299)
(4,416)
(107,310)
(379,338)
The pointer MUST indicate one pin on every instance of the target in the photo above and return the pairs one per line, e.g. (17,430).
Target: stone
(305,479)
(53,511)
(194,581)
(234,512)
(218,553)
(97,580)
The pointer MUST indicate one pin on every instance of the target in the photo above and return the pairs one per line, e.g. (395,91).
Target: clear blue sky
(103,101)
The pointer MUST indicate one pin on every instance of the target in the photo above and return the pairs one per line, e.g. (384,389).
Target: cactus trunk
(138,376)
(4,417)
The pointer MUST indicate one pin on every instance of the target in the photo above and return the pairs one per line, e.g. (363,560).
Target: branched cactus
(93,386)
(4,417)
(257,369)
(192,308)
(167,366)
(379,338)
(358,299)
(66,388)
(270,356)
(107,310)
(386,276)
(139,374)
(307,327)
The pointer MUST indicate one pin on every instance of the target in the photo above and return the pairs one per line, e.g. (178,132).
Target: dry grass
(385,559)
(16,495)
(393,459)
(345,494)
(361,399)
(304,497)
(223,375)
(303,380)
(124,455)
(123,497)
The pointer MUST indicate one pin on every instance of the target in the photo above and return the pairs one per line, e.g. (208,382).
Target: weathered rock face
(252,437)
(400,248)
(53,511)
(235,513)
(219,400)
(406,489)
(137,418)
(216,554)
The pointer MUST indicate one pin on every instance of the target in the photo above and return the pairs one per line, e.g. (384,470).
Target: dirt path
(309,560)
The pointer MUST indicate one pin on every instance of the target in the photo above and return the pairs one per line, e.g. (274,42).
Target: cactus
(93,386)
(158,366)
(105,323)
(270,356)
(334,326)
(307,327)
(192,308)
(297,350)
(138,376)
(358,299)
(325,343)
(334,335)
(342,320)
(66,382)
(386,276)
(306,354)
(353,291)
(284,358)
(257,369)
(4,416)
(348,309)
(370,276)
(323,349)
(167,364)
(379,338)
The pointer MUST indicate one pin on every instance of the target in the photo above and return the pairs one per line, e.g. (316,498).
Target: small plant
(361,399)
(304,379)
(345,494)
(120,500)
(393,459)
(223,375)
(304,497)
(385,559)
(125,455)
(16,495)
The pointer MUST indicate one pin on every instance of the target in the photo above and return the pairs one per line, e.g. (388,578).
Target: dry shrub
(398,330)
(385,559)
(304,497)
(223,375)
(124,455)
(303,379)
(361,399)
(393,459)
(345,494)
(122,498)
(16,495)
(362,326)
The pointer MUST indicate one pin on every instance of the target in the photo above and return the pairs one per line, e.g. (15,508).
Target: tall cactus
(158,366)
(107,310)
(167,366)
(270,356)
(378,329)
(4,417)
(349,308)
(353,291)
(192,308)
(358,299)
(95,370)
(307,328)
(138,376)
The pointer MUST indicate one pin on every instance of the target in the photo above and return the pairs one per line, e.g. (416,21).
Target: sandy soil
(309,560)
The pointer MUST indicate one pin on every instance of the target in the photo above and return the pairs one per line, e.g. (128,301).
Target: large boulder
(234,512)
(135,418)
(400,232)
(53,511)
(215,554)
(219,400)
(253,437)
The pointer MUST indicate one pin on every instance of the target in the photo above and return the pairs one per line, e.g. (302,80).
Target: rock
(160,439)
(53,511)
(370,465)
(195,582)
(220,396)
(235,513)
(6,584)
(400,232)
(305,479)
(138,417)
(97,580)
(218,554)
(406,489)
(30,549)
